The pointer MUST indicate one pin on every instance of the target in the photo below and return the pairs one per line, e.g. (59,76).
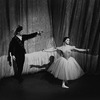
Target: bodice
(67,50)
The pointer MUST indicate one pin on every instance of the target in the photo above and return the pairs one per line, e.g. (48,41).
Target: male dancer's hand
(13,57)
(39,33)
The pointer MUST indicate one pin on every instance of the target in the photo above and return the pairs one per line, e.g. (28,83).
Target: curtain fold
(57,10)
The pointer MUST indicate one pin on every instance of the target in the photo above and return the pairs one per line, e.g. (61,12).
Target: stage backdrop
(79,19)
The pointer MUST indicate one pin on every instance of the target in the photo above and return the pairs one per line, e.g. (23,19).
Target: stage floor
(43,86)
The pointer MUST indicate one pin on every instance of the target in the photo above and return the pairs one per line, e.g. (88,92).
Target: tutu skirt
(66,69)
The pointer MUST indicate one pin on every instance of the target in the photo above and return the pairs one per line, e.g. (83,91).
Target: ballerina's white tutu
(66,69)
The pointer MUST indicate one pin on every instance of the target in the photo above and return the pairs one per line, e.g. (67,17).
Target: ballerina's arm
(80,50)
(52,50)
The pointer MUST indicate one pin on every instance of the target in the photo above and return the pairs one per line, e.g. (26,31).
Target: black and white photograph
(49,49)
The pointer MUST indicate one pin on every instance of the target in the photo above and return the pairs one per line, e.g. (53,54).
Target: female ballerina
(66,67)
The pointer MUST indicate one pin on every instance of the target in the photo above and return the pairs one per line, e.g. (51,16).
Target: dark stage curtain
(57,12)
(80,20)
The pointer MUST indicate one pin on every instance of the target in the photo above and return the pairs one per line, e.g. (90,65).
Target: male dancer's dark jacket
(16,48)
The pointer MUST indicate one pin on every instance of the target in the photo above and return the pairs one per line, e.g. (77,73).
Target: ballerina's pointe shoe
(64,86)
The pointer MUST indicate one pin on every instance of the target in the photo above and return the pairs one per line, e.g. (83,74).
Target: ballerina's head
(66,40)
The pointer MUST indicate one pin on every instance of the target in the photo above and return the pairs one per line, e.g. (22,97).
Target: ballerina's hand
(14,58)
(88,50)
